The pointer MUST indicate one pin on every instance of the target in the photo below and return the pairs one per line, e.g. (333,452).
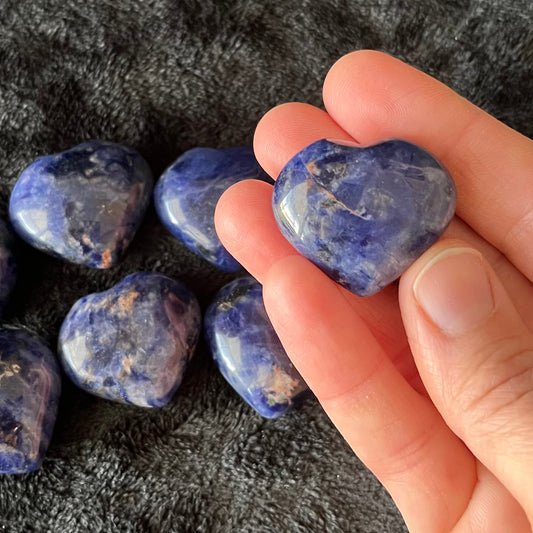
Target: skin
(431,382)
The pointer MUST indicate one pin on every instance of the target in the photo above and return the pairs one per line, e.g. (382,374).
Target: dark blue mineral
(186,195)
(30,386)
(363,214)
(84,204)
(248,352)
(131,343)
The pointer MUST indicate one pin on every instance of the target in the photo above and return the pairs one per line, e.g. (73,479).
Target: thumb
(475,356)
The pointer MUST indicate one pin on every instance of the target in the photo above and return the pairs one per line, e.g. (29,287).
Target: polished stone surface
(30,386)
(84,204)
(131,343)
(8,266)
(186,195)
(363,215)
(248,352)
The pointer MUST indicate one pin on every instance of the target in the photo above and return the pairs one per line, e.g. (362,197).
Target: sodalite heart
(84,204)
(187,193)
(8,267)
(248,352)
(132,342)
(363,215)
(30,386)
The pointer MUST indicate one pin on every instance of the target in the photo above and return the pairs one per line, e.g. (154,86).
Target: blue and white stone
(30,386)
(84,204)
(363,214)
(131,343)
(186,195)
(248,351)
(8,266)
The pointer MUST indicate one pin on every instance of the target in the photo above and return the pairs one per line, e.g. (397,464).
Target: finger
(245,224)
(299,125)
(373,96)
(516,284)
(492,508)
(485,493)
(475,356)
(276,142)
(394,430)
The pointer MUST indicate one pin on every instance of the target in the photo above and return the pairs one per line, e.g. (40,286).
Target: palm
(344,345)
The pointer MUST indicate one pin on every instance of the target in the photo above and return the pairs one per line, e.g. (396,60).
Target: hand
(431,384)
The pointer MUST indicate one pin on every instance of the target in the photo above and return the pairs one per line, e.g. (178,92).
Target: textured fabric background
(163,76)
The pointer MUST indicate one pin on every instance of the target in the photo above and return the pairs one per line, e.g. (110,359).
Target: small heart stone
(30,386)
(131,343)
(363,214)
(248,351)
(84,204)
(186,195)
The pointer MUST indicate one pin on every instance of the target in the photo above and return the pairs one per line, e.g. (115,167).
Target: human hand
(431,384)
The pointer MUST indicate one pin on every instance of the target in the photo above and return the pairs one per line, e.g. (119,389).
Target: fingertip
(287,129)
(408,278)
(455,290)
(352,88)
(243,198)
(245,224)
(226,225)
(355,65)
(371,94)
(359,61)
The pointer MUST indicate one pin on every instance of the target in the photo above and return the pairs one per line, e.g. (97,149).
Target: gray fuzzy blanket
(163,76)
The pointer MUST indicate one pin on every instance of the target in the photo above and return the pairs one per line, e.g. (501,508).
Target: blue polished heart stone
(131,343)
(363,214)
(248,352)
(84,204)
(30,386)
(186,195)
(8,266)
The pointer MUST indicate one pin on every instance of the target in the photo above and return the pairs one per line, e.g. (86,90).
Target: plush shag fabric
(163,76)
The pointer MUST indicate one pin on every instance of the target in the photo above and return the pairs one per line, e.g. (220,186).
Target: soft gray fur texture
(163,76)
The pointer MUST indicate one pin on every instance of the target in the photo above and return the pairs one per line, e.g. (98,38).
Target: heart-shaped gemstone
(248,352)
(131,343)
(186,195)
(84,204)
(30,386)
(363,214)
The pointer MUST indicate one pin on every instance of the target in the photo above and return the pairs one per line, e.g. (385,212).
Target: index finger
(373,96)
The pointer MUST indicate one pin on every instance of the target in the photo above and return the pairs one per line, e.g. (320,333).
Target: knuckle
(412,454)
(518,234)
(497,397)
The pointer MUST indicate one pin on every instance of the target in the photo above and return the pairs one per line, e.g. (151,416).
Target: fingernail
(454,290)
